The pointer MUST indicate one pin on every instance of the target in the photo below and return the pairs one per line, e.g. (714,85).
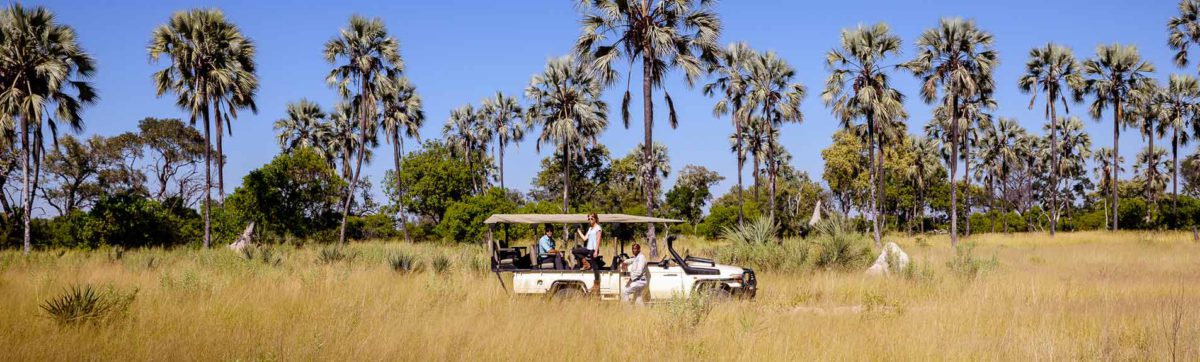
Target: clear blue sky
(459,51)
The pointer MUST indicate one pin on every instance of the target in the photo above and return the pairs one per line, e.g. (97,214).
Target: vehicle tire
(568,293)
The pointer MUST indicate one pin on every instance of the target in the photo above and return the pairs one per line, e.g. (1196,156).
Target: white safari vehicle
(672,276)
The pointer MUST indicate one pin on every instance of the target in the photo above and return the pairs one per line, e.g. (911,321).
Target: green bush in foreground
(85,304)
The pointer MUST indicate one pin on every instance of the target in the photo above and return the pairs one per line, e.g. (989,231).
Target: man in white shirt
(637,275)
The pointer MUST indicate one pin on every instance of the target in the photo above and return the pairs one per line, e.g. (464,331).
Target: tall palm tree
(300,126)
(403,116)
(1108,166)
(1181,109)
(45,72)
(504,116)
(212,66)
(1052,70)
(921,170)
(1009,153)
(463,134)
(1116,74)
(733,84)
(778,101)
(663,34)
(1147,110)
(954,56)
(1183,30)
(565,101)
(369,53)
(974,117)
(858,88)
(1074,151)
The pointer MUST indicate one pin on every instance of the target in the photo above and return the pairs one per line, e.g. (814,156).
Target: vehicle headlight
(737,276)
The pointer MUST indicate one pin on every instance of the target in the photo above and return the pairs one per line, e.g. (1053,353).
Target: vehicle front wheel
(568,293)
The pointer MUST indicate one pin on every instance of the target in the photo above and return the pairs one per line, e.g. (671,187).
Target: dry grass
(1081,296)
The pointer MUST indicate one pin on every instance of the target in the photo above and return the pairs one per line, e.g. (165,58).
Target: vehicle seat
(504,257)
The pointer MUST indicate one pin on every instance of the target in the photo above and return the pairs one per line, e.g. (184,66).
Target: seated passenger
(546,249)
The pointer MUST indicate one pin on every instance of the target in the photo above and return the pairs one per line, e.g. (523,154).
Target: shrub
(373,226)
(403,262)
(759,231)
(85,304)
(967,266)
(791,255)
(333,254)
(440,263)
(296,194)
(687,313)
(839,246)
(463,221)
(264,254)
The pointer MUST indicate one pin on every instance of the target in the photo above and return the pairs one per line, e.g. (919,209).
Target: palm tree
(1114,76)
(1181,107)
(858,87)
(300,127)
(211,66)
(974,116)
(663,34)
(1009,153)
(1053,71)
(462,133)
(778,100)
(922,169)
(1147,110)
(955,56)
(565,101)
(658,160)
(1183,30)
(403,117)
(502,114)
(1073,153)
(44,70)
(369,53)
(733,83)
(1148,161)
(1108,166)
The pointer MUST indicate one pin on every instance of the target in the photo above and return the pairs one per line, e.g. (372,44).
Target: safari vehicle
(673,276)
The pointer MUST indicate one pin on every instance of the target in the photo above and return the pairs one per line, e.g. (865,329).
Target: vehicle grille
(751,280)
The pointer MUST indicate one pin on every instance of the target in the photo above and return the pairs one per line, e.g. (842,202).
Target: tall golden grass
(1078,296)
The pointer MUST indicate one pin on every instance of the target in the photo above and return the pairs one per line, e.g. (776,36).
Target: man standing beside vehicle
(637,275)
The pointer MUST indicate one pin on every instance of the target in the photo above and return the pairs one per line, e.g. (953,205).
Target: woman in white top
(593,235)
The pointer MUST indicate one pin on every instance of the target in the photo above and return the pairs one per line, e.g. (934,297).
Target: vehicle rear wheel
(568,293)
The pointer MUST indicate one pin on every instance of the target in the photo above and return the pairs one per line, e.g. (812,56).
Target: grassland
(1090,296)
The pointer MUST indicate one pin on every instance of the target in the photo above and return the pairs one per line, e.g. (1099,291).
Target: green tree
(1183,30)
(1191,175)
(212,66)
(733,84)
(664,35)
(844,167)
(565,101)
(72,170)
(858,87)
(175,150)
(692,191)
(1053,71)
(463,221)
(403,116)
(1113,76)
(1181,108)
(430,180)
(953,56)
(296,194)
(590,173)
(464,133)
(45,71)
(371,56)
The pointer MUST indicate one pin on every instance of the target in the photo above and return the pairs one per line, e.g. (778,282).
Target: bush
(403,262)
(373,226)
(839,245)
(790,255)
(463,221)
(759,231)
(333,254)
(296,194)
(85,304)
(724,214)
(132,220)
(967,266)
(440,263)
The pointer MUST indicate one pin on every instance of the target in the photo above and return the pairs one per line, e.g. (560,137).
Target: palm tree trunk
(220,152)
(396,140)
(26,190)
(362,150)
(967,179)
(501,159)
(741,161)
(1175,173)
(566,184)
(874,178)
(1152,172)
(1004,203)
(1053,168)
(648,143)
(992,202)
(953,170)
(757,178)
(771,176)
(1116,164)
(207,180)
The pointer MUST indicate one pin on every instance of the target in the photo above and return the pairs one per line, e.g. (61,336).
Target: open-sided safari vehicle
(672,276)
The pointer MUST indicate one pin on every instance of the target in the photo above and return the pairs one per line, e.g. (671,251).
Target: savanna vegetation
(1027,243)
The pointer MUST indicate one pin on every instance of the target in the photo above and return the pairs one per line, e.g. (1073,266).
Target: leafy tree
(463,221)
(958,57)
(858,87)
(295,194)
(591,171)
(429,181)
(403,116)
(371,57)
(175,150)
(133,220)
(1116,74)
(72,170)
(733,84)
(844,167)
(565,101)
(692,191)
(44,71)
(1053,71)
(1191,175)
(212,66)
(663,34)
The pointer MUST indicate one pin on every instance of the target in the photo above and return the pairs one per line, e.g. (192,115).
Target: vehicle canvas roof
(572,219)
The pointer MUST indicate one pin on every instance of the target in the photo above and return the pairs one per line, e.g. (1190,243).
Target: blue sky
(459,51)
